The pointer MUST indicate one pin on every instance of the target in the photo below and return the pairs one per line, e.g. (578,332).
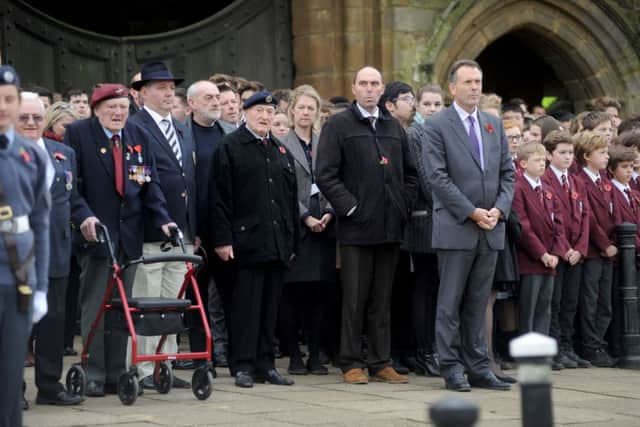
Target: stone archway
(588,45)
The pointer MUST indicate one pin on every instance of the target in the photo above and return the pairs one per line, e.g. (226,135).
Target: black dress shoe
(489,381)
(273,377)
(63,398)
(69,351)
(426,364)
(94,389)
(243,379)
(296,366)
(184,365)
(565,361)
(180,383)
(316,368)
(457,382)
(505,378)
(24,404)
(582,363)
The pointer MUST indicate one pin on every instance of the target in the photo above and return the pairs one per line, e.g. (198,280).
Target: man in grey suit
(471,176)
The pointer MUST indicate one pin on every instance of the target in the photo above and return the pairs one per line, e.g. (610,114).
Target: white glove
(39,306)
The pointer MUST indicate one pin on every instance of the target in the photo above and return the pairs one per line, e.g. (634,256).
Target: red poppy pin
(59,156)
(384,161)
(488,127)
(282,150)
(138,148)
(26,157)
(607,187)
(548,195)
(574,195)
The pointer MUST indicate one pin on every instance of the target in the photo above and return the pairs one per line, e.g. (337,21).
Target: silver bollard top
(533,344)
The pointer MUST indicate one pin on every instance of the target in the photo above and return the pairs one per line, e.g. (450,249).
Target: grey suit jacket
(303,174)
(458,183)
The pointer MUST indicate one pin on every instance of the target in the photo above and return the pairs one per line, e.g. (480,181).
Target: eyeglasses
(514,137)
(406,98)
(24,118)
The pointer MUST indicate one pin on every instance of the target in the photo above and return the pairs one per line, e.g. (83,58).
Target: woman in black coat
(313,270)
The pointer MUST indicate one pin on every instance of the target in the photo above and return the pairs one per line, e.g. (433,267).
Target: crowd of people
(386,235)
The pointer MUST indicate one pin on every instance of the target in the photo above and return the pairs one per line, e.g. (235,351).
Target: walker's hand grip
(194,259)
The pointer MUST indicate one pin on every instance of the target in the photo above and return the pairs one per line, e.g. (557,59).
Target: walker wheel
(76,380)
(128,388)
(202,382)
(164,380)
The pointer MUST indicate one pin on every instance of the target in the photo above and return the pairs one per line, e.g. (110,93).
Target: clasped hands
(318,225)
(486,219)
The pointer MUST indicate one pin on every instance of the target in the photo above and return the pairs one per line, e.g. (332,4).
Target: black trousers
(424,300)
(595,303)
(402,333)
(50,340)
(254,311)
(302,308)
(71,304)
(564,303)
(14,333)
(367,278)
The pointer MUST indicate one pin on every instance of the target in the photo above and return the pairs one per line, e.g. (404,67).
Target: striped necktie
(172,138)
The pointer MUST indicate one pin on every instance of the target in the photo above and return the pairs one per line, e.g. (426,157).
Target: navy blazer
(62,189)
(97,195)
(178,183)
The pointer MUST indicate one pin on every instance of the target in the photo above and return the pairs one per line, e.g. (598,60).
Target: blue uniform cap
(8,76)
(260,98)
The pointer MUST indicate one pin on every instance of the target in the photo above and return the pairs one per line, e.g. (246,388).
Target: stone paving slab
(589,398)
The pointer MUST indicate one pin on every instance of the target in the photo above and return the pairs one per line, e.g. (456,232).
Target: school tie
(599,183)
(627,191)
(473,139)
(264,141)
(172,138)
(4,141)
(565,183)
(540,195)
(117,164)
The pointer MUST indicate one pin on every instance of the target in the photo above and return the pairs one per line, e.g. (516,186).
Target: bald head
(30,116)
(367,88)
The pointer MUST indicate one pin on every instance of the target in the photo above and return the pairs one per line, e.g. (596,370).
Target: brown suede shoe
(355,376)
(389,375)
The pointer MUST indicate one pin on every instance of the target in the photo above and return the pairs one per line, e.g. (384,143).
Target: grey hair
(192,91)
(31,96)
(453,71)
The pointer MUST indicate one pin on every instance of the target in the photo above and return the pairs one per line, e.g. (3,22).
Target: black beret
(260,98)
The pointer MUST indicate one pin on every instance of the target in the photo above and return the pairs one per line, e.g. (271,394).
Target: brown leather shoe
(389,375)
(355,376)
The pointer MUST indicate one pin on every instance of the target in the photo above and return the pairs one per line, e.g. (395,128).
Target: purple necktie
(473,139)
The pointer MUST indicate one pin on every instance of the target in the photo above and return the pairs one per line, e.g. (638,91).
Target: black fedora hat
(154,71)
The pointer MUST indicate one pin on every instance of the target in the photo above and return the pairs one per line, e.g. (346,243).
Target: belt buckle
(6,212)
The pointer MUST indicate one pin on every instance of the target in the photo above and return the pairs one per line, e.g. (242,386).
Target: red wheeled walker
(148,316)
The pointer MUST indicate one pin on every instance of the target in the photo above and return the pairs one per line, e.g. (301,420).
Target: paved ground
(586,397)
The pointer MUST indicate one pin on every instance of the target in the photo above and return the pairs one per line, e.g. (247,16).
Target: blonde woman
(313,270)
(59,116)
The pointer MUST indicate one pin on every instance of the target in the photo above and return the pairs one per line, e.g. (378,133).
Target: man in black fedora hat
(173,149)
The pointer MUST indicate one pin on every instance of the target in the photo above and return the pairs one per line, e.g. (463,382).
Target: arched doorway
(526,75)
(588,48)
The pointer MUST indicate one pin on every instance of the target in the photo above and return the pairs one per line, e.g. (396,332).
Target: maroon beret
(104,91)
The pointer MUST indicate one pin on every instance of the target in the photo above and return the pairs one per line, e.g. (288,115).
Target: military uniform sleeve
(39,221)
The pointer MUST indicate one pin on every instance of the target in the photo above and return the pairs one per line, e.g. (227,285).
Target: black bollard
(626,293)
(533,352)
(453,413)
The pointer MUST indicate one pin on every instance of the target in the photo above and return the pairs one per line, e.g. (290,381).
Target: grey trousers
(14,333)
(217,320)
(536,292)
(466,277)
(108,351)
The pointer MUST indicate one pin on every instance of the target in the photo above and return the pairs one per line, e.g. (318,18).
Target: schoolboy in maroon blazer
(542,242)
(595,297)
(573,207)
(626,201)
